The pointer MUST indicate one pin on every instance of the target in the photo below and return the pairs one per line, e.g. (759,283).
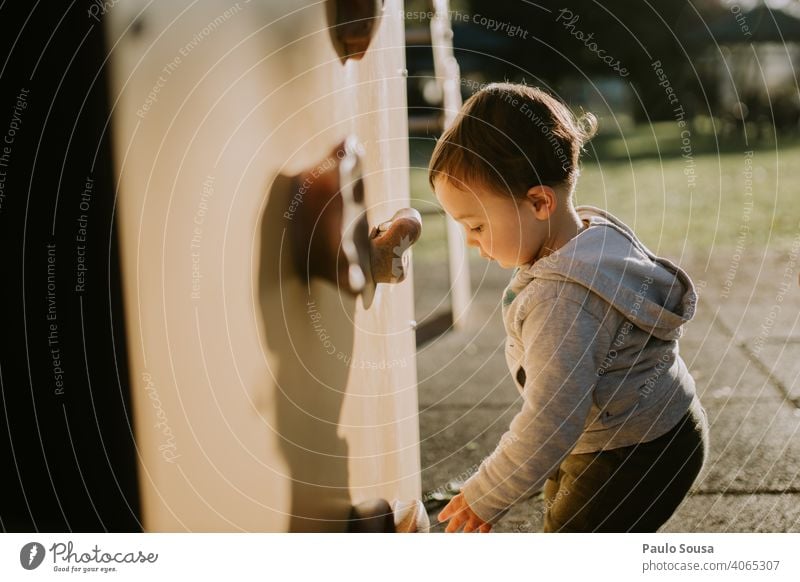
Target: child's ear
(544,201)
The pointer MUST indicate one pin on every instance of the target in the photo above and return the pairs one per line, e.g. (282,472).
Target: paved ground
(743,350)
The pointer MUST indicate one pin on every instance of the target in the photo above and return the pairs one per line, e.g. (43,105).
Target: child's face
(503,228)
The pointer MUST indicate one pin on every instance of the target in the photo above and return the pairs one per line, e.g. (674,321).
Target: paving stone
(755,446)
(721,369)
(783,362)
(746,301)
(455,441)
(737,513)
(464,370)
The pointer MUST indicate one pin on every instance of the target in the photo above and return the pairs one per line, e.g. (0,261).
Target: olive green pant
(630,489)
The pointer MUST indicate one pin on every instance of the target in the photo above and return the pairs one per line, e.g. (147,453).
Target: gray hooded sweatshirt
(592,345)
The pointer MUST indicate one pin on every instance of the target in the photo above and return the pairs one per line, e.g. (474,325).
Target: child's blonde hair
(510,137)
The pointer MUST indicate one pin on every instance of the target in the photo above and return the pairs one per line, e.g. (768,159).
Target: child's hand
(459,513)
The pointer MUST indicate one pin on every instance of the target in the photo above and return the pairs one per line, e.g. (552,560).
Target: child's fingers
(453,507)
(476,524)
(446,513)
(455,524)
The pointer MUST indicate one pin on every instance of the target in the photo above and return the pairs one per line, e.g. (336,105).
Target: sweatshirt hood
(652,292)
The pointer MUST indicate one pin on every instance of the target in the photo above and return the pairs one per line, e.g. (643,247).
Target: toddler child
(611,428)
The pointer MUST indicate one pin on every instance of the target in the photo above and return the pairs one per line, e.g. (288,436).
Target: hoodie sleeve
(564,345)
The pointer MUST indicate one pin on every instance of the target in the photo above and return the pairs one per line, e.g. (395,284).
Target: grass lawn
(673,215)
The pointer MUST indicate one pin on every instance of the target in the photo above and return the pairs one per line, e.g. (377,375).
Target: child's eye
(477,229)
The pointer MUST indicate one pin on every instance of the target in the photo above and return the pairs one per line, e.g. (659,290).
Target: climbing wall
(262,401)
